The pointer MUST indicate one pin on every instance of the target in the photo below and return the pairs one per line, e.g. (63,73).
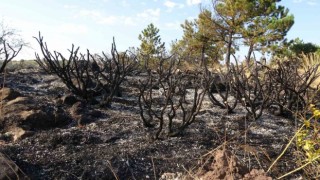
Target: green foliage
(151,45)
(257,24)
(199,39)
(307,139)
(304,48)
(267,24)
(297,49)
(150,41)
(308,143)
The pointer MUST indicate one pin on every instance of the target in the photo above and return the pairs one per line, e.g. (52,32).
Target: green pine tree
(151,46)
(199,41)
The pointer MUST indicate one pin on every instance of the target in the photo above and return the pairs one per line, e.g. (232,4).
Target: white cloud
(125,3)
(171,4)
(312,2)
(129,21)
(98,17)
(193,2)
(68,6)
(150,14)
(108,20)
(72,28)
(89,13)
(173,25)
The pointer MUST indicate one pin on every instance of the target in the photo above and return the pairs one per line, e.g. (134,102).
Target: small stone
(19,133)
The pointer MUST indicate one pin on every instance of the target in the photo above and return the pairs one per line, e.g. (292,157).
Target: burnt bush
(170,98)
(10,46)
(88,76)
(252,87)
(220,90)
(283,89)
(111,70)
(7,53)
(291,85)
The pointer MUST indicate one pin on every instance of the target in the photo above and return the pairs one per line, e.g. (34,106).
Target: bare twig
(112,170)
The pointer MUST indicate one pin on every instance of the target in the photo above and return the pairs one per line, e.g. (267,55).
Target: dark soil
(114,144)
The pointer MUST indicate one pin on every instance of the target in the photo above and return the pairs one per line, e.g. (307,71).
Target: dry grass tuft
(311,60)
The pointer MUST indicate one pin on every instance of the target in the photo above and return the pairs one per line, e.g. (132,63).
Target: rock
(77,111)
(37,119)
(25,113)
(82,114)
(17,133)
(13,107)
(9,170)
(60,117)
(8,94)
(18,100)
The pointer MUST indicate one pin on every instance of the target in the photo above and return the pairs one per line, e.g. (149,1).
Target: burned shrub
(7,53)
(290,86)
(10,46)
(284,89)
(85,75)
(73,71)
(169,105)
(113,71)
(252,88)
(220,90)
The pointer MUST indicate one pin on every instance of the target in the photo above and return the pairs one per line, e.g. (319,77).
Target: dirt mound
(226,166)
(22,114)
(8,94)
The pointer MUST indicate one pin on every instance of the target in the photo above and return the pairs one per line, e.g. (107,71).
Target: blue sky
(91,24)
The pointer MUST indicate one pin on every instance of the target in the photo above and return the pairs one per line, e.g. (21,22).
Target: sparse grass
(307,141)
(310,60)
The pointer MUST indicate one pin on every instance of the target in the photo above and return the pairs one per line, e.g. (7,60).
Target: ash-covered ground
(112,143)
